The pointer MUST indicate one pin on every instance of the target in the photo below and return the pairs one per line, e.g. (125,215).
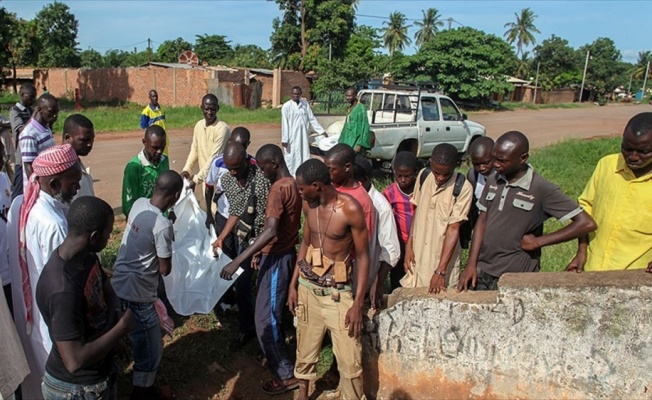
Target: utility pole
(629,87)
(647,70)
(450,22)
(536,84)
(149,50)
(586,65)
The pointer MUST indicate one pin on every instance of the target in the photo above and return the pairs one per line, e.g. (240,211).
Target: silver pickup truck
(414,120)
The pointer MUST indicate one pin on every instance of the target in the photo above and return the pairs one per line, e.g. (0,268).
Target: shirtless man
(320,291)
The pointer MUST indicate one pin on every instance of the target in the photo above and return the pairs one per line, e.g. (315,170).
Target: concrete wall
(542,335)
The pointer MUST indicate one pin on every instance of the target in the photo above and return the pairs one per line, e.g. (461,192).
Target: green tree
(169,50)
(56,29)
(465,62)
(522,31)
(214,49)
(23,46)
(309,29)
(428,26)
(115,58)
(139,58)
(559,64)
(605,70)
(396,33)
(91,58)
(358,63)
(644,57)
(249,56)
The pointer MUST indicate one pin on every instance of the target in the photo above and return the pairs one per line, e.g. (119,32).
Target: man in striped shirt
(399,194)
(37,134)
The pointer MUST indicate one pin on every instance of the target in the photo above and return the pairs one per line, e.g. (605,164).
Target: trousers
(274,279)
(317,314)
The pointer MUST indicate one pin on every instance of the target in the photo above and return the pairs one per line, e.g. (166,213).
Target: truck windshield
(430,109)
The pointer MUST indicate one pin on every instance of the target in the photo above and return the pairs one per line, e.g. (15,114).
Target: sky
(125,24)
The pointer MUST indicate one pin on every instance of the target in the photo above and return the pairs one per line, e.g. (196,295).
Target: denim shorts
(147,343)
(54,389)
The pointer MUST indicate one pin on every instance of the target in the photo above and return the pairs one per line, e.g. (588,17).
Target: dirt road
(113,150)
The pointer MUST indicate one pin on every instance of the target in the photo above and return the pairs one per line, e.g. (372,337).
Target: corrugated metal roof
(172,65)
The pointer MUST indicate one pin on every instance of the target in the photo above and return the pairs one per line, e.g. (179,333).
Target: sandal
(274,386)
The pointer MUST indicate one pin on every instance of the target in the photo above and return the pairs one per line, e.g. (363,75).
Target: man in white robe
(296,116)
(37,226)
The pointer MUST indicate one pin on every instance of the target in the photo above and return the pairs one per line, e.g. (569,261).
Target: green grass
(126,117)
(117,116)
(511,106)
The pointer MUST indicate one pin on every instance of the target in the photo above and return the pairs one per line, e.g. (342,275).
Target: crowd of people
(62,317)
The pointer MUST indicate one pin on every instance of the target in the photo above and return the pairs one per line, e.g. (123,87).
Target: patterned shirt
(34,139)
(155,116)
(238,196)
(139,179)
(403,210)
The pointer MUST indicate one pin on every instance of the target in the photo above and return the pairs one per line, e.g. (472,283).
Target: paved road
(113,150)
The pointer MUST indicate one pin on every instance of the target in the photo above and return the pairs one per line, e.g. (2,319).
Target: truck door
(455,130)
(430,127)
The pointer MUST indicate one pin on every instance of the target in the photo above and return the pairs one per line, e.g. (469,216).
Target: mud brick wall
(541,335)
(175,86)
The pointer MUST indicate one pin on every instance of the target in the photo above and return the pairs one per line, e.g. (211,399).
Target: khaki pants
(315,315)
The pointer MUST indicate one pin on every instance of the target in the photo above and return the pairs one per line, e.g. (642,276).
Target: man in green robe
(355,132)
(142,171)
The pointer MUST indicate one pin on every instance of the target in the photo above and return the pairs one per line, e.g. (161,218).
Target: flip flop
(274,387)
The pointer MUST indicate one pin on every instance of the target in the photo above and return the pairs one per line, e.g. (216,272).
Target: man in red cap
(37,226)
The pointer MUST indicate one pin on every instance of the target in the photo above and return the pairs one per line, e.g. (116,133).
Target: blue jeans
(54,389)
(147,343)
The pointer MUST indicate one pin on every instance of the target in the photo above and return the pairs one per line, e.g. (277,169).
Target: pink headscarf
(50,162)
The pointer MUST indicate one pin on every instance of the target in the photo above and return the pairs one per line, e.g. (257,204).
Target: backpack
(466,229)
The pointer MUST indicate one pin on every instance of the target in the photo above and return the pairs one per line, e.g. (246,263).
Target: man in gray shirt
(145,253)
(19,115)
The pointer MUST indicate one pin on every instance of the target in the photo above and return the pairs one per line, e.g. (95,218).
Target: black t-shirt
(74,307)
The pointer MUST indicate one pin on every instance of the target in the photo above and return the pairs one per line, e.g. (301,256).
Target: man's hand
(357,149)
(191,184)
(649,268)
(216,244)
(186,175)
(376,295)
(293,300)
(255,261)
(409,259)
(284,144)
(530,242)
(470,274)
(353,321)
(577,263)
(210,220)
(228,271)
(127,321)
(436,284)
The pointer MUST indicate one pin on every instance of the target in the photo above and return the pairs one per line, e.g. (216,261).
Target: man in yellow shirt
(153,114)
(208,140)
(618,197)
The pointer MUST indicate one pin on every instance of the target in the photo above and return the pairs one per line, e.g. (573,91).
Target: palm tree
(641,65)
(396,34)
(522,31)
(429,26)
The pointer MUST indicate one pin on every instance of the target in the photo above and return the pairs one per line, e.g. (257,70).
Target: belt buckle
(321,291)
